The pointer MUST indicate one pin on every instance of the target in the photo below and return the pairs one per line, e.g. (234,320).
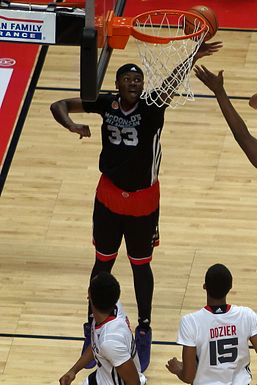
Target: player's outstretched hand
(207,49)
(212,81)
(81,129)
(67,378)
(174,366)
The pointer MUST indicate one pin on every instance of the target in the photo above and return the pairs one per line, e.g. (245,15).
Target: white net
(167,66)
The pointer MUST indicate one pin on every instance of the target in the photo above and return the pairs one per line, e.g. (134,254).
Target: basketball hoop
(163,47)
(167,40)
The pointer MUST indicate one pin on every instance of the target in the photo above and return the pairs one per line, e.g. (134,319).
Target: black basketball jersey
(131,150)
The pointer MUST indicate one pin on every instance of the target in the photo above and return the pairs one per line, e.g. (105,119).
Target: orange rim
(164,40)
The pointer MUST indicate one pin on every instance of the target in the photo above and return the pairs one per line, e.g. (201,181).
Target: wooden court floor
(208,215)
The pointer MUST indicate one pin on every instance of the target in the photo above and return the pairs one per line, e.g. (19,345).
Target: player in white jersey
(112,343)
(215,339)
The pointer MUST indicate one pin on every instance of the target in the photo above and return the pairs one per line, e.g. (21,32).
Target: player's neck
(100,317)
(216,302)
(126,106)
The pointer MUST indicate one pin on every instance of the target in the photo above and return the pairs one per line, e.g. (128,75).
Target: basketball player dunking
(127,195)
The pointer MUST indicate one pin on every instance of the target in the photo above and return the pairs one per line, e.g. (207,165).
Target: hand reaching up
(212,81)
(207,49)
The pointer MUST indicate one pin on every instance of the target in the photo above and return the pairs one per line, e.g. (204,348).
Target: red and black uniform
(127,196)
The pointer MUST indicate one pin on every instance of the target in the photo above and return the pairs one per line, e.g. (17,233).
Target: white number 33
(127,135)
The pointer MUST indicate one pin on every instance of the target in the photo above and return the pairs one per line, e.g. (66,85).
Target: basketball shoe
(143,339)
(87,334)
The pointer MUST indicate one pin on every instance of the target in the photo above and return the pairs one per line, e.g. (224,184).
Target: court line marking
(66,338)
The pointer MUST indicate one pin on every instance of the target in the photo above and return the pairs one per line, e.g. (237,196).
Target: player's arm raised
(206,49)
(61,110)
(215,83)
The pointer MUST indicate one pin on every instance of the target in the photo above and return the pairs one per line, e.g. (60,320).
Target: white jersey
(113,344)
(221,339)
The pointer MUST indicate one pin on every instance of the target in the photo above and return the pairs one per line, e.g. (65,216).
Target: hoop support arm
(118,30)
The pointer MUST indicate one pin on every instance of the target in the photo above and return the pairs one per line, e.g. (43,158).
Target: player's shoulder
(115,333)
(198,312)
(230,309)
(107,95)
(151,104)
(103,101)
(243,309)
(118,324)
(106,98)
(193,316)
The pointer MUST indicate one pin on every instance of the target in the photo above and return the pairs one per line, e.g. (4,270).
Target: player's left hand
(174,366)
(212,81)
(207,49)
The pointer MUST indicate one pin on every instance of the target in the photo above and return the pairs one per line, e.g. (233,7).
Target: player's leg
(141,235)
(144,285)
(107,237)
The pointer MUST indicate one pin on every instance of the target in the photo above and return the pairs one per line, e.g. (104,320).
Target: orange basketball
(208,15)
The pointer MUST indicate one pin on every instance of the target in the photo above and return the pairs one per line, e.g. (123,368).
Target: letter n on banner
(17,63)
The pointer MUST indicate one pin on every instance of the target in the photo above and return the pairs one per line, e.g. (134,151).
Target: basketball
(208,15)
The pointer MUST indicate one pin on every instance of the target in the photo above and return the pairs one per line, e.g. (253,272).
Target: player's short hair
(130,67)
(104,291)
(218,281)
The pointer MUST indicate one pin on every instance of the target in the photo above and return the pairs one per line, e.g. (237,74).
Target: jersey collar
(127,112)
(219,309)
(111,317)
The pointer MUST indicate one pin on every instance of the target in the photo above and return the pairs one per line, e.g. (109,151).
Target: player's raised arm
(206,49)
(215,83)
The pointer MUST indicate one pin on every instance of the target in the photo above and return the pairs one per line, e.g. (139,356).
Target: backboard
(95,52)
